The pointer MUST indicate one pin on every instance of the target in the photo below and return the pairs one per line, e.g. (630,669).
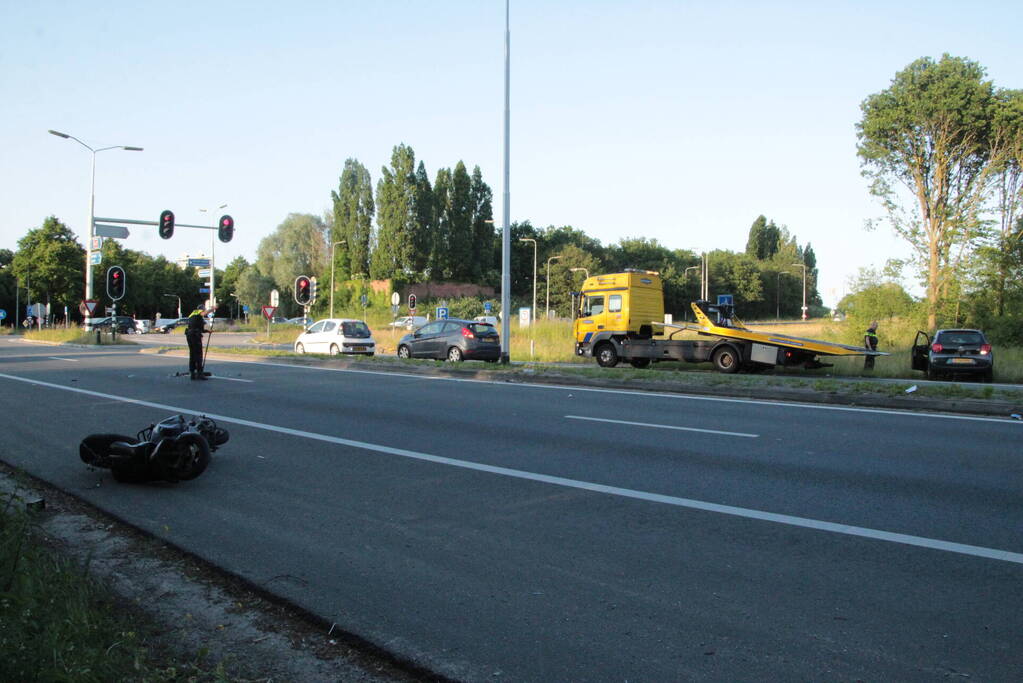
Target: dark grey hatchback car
(453,340)
(952,353)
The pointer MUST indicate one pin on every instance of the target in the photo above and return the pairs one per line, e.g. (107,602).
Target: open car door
(921,351)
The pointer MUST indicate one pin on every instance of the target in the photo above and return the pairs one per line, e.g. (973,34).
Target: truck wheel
(726,360)
(606,355)
(640,363)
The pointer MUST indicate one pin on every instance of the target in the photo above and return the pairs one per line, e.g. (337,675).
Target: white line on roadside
(790,520)
(69,360)
(232,379)
(656,426)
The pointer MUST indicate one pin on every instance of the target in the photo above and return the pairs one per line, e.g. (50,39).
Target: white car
(334,336)
(409,322)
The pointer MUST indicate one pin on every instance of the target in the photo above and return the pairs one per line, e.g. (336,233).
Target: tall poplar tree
(460,228)
(393,252)
(353,221)
(481,203)
(426,221)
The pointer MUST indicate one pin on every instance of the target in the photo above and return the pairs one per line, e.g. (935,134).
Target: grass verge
(74,335)
(57,624)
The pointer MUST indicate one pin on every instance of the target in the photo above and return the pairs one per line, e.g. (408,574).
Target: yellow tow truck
(619,313)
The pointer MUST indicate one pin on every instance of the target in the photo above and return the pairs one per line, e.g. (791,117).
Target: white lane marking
(790,520)
(648,394)
(232,379)
(69,360)
(656,426)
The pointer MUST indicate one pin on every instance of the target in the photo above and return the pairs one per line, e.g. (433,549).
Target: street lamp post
(175,296)
(92,202)
(213,267)
(532,312)
(803,266)
(586,273)
(333,244)
(547,306)
(586,276)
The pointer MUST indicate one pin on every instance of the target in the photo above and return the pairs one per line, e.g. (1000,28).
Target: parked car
(454,340)
(122,324)
(144,326)
(304,322)
(91,324)
(409,322)
(335,336)
(489,319)
(954,353)
(165,325)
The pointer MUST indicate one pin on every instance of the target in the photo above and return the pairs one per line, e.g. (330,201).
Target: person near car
(870,341)
(193,335)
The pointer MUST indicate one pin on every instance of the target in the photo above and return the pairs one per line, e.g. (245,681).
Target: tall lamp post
(92,201)
(586,276)
(332,245)
(213,267)
(175,296)
(532,312)
(547,306)
(803,266)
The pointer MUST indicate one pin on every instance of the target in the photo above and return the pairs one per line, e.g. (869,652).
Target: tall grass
(57,624)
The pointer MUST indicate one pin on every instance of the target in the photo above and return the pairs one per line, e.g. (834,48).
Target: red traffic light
(303,291)
(225,230)
(166,227)
(115,283)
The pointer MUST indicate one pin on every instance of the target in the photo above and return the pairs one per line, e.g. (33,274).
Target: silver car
(335,336)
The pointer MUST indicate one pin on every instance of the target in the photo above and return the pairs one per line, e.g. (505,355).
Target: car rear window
(961,337)
(482,329)
(359,330)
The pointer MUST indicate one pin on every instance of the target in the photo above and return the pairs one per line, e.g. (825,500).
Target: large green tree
(926,140)
(482,210)
(297,247)
(394,251)
(353,221)
(51,262)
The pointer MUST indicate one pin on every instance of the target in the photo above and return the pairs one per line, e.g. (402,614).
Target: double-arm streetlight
(92,202)
(213,268)
(547,306)
(532,312)
(332,245)
(803,266)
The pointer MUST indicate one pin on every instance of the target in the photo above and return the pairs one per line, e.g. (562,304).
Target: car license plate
(962,361)
(358,348)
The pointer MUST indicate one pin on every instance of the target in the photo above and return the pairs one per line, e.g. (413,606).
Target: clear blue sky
(677,121)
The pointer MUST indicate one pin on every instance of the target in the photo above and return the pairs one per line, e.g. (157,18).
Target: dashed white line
(790,520)
(69,360)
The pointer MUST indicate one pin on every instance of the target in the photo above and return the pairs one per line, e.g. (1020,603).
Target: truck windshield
(593,305)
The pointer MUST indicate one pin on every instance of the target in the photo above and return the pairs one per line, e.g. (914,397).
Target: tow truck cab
(618,304)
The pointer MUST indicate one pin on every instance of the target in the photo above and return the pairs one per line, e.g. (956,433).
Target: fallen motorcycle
(176,449)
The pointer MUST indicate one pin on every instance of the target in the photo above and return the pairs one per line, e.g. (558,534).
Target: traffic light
(226,230)
(303,290)
(166,227)
(115,283)
(313,288)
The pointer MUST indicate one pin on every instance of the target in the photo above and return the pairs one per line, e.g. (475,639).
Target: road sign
(268,312)
(198,263)
(245,308)
(3,314)
(96,258)
(442,313)
(395,299)
(97,243)
(364,300)
(118,231)
(87,307)
(203,272)
(275,298)
(725,300)
(204,290)
(487,307)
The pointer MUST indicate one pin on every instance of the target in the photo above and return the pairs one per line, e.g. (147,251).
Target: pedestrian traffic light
(115,283)
(303,290)
(313,287)
(166,227)
(226,230)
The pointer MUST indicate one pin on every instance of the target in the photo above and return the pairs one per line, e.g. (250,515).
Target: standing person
(193,335)
(870,341)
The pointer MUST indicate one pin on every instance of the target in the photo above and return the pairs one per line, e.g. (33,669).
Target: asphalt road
(495,531)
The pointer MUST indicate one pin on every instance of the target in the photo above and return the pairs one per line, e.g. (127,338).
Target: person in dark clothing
(870,341)
(193,335)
